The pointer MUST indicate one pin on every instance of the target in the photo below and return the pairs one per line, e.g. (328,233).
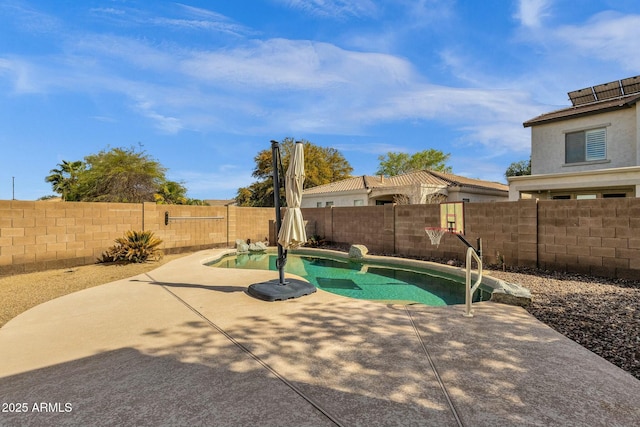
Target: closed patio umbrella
(292,233)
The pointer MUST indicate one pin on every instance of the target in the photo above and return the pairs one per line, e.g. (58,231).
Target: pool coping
(501,291)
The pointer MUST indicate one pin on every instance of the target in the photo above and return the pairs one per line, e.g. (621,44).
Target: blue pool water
(362,281)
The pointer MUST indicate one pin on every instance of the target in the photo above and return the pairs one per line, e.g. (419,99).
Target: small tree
(121,175)
(392,164)
(171,192)
(523,167)
(322,165)
(64,179)
(118,175)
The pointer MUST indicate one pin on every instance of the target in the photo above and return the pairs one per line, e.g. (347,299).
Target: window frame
(592,142)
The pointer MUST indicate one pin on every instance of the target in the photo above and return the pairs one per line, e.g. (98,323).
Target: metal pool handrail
(471,289)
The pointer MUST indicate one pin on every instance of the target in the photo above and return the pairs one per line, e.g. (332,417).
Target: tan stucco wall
(417,195)
(345,199)
(548,142)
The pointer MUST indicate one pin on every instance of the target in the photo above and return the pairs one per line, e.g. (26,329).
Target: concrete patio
(185,345)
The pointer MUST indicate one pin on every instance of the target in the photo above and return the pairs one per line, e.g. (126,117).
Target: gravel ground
(601,315)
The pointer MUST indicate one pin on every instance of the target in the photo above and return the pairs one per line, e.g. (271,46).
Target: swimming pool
(361,280)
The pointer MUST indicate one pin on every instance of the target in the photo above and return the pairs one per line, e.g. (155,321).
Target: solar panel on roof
(605,91)
(582,96)
(630,85)
(608,90)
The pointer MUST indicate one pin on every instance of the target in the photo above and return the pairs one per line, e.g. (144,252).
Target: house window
(358,202)
(586,146)
(329,204)
(612,195)
(586,196)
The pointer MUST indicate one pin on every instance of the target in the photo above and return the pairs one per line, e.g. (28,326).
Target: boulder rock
(257,247)
(358,251)
(241,246)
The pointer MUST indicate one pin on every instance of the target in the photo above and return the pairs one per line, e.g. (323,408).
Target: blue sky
(205,85)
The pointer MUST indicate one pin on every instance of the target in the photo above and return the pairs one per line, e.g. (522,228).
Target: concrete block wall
(599,237)
(319,221)
(364,224)
(45,235)
(507,229)
(251,223)
(410,237)
(190,227)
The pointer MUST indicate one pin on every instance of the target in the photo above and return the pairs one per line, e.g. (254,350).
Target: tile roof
(349,184)
(428,177)
(585,109)
(461,181)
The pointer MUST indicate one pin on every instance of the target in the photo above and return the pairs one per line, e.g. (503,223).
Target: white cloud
(28,19)
(107,11)
(334,8)
(166,124)
(21,73)
(273,85)
(371,148)
(104,119)
(608,36)
(531,12)
(296,64)
(203,19)
(184,18)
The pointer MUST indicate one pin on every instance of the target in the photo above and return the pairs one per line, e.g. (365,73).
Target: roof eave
(541,120)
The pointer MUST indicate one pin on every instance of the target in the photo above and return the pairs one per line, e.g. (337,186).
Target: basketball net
(435,234)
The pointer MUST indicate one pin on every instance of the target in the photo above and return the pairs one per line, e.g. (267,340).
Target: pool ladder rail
(469,290)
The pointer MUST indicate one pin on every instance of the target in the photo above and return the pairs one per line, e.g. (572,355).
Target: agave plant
(135,246)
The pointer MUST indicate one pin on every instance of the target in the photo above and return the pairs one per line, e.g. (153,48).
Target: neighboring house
(412,188)
(589,150)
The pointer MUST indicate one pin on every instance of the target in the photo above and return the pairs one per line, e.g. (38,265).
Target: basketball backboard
(452,216)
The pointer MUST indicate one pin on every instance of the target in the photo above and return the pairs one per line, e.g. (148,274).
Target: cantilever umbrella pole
(281,261)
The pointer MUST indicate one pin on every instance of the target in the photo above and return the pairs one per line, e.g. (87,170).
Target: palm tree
(171,192)
(63,180)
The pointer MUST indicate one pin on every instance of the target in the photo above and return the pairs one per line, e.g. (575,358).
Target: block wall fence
(599,237)
(44,235)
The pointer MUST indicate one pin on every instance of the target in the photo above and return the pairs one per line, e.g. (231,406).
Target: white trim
(590,162)
(602,179)
(585,128)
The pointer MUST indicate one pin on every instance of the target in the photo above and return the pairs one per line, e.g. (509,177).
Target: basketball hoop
(435,234)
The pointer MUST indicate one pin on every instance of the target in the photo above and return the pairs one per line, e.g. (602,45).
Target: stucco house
(589,150)
(418,187)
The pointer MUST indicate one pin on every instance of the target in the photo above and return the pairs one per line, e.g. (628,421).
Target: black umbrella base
(274,291)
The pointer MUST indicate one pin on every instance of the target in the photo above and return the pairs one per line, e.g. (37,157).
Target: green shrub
(315,241)
(135,246)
